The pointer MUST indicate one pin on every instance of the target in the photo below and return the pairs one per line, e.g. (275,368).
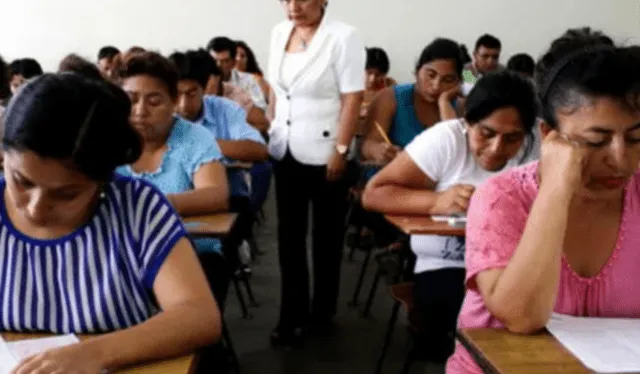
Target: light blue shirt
(227,120)
(188,148)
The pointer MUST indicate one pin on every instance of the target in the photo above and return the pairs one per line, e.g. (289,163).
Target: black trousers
(438,298)
(297,187)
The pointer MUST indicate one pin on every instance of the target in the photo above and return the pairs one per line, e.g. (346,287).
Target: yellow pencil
(382,133)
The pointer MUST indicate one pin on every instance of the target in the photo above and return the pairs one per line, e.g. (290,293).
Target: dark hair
(584,64)
(152,64)
(252,63)
(466,57)
(67,116)
(108,52)
(377,59)
(193,65)
(441,49)
(488,41)
(222,44)
(78,65)
(135,49)
(27,67)
(4,80)
(502,90)
(522,63)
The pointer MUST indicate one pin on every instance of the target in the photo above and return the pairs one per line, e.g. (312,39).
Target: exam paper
(604,345)
(14,352)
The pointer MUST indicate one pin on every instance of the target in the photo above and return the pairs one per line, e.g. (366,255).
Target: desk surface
(214,225)
(182,365)
(424,226)
(501,352)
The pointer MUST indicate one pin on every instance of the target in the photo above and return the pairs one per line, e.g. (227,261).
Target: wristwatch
(343,150)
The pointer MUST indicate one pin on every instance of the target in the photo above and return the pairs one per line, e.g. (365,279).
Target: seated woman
(87,251)
(178,158)
(376,71)
(404,111)
(561,235)
(246,62)
(436,175)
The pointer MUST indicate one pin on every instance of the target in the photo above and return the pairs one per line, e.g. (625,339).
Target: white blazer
(307,112)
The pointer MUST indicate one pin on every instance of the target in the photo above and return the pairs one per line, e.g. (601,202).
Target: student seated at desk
(178,158)
(227,126)
(85,251)
(562,235)
(436,175)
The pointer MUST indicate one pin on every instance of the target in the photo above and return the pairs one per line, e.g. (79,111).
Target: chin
(493,166)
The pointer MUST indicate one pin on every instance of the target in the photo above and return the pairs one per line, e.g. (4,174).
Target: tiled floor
(352,349)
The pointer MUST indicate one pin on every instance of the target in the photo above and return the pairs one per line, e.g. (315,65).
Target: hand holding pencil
(384,151)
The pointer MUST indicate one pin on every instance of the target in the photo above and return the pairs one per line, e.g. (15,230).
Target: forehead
(602,113)
(488,51)
(144,84)
(221,54)
(187,85)
(442,67)
(504,120)
(44,172)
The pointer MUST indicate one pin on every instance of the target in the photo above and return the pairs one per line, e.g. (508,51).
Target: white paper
(13,352)
(604,345)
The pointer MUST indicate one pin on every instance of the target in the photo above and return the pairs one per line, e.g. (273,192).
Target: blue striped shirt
(98,278)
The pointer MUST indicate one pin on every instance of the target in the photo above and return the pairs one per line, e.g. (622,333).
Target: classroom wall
(49,29)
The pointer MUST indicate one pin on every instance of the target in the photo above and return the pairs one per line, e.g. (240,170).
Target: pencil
(382,133)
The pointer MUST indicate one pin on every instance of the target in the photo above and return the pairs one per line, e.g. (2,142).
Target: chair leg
(388,337)
(247,287)
(226,337)
(363,270)
(253,245)
(366,312)
(243,303)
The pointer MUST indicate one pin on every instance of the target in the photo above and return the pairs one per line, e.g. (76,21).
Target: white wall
(49,29)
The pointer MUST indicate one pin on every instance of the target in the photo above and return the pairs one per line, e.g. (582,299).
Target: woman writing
(436,175)
(84,251)
(316,70)
(561,235)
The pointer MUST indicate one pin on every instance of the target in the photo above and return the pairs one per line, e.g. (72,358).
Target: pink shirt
(496,221)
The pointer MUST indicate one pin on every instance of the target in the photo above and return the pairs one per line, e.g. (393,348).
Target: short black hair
(522,63)
(488,41)
(193,65)
(78,65)
(466,57)
(441,49)
(377,59)
(252,63)
(5,91)
(67,116)
(583,65)
(27,67)
(108,51)
(223,44)
(499,90)
(152,64)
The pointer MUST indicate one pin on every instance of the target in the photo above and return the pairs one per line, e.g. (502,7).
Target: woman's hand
(73,359)
(384,152)
(454,199)
(450,95)
(562,163)
(336,167)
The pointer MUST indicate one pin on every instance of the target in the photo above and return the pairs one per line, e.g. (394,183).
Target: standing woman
(317,83)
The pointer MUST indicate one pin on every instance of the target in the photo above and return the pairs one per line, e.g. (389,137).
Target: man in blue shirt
(227,122)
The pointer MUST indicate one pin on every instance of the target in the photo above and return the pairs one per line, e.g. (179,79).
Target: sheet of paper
(604,345)
(7,360)
(25,348)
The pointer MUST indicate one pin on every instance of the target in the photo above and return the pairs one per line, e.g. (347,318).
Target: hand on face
(562,162)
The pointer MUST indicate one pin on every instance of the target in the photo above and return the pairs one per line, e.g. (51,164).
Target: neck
(584,206)
(420,100)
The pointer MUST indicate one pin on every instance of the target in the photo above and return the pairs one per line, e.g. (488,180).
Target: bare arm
(349,113)
(400,188)
(210,193)
(523,294)
(243,150)
(189,319)
(381,110)
(258,119)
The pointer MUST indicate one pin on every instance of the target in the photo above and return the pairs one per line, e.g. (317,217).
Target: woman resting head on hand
(561,236)
(85,251)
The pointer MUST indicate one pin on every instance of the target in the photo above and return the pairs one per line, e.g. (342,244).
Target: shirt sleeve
(202,149)
(239,129)
(159,227)
(496,220)
(350,63)
(433,151)
(240,96)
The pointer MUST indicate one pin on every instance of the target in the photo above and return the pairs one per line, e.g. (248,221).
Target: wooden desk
(211,226)
(239,165)
(182,365)
(501,352)
(424,226)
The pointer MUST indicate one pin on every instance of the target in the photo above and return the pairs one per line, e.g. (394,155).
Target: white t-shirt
(441,152)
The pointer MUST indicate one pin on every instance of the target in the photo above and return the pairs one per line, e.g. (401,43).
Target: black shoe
(287,337)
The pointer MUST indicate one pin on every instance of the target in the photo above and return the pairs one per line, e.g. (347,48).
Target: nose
(38,208)
(435,84)
(618,156)
(139,109)
(496,147)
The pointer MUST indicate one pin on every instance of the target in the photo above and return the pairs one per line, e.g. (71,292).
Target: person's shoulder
(212,101)
(131,189)
(185,134)
(517,186)
(452,130)
(281,27)
(341,28)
